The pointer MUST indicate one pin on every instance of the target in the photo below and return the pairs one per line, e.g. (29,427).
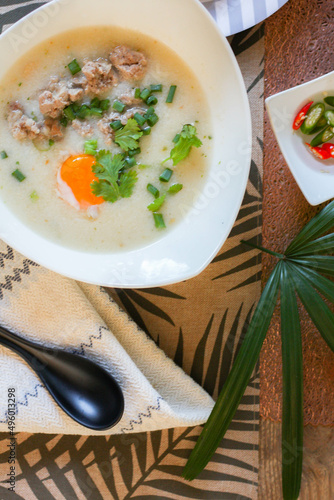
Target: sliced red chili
(329,147)
(300,117)
(319,152)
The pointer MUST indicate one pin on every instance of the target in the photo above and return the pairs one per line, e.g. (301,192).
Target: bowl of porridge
(120,133)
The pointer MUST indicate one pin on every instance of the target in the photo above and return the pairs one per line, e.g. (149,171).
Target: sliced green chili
(329,100)
(312,117)
(323,136)
(329,115)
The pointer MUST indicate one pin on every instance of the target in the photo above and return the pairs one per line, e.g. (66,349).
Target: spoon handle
(15,343)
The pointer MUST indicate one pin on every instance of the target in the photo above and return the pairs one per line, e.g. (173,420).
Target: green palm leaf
(322,263)
(297,271)
(236,383)
(323,285)
(319,225)
(292,359)
(319,312)
(321,245)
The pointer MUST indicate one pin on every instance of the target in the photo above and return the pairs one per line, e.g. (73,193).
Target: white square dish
(315,177)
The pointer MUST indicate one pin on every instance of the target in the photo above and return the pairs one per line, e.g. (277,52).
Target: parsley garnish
(112,182)
(127,137)
(183,144)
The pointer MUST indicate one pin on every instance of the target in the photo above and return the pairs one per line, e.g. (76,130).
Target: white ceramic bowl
(187,28)
(314,177)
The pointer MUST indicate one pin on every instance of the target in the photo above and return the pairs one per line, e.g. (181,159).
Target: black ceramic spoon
(84,390)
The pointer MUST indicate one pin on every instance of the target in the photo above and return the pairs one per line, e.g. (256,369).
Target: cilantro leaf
(112,182)
(107,170)
(185,141)
(128,136)
(109,192)
(175,188)
(127,183)
(107,167)
(157,203)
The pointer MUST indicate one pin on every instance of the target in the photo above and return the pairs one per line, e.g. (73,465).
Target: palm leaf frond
(292,360)
(234,388)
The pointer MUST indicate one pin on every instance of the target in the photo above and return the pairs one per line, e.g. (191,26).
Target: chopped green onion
(139,119)
(152,100)
(156,88)
(153,190)
(95,103)
(134,152)
(137,93)
(20,84)
(166,175)
(76,107)
(90,147)
(34,196)
(95,112)
(3,155)
(116,125)
(159,220)
(51,142)
(152,119)
(150,112)
(146,130)
(119,106)
(69,113)
(105,104)
(18,175)
(175,188)
(84,111)
(176,138)
(63,121)
(171,94)
(130,162)
(145,94)
(74,67)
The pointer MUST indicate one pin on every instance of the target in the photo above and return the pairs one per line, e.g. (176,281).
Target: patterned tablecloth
(198,323)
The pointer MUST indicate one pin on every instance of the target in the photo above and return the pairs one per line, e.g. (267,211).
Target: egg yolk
(77,173)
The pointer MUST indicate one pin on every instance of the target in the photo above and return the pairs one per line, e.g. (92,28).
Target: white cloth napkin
(55,311)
